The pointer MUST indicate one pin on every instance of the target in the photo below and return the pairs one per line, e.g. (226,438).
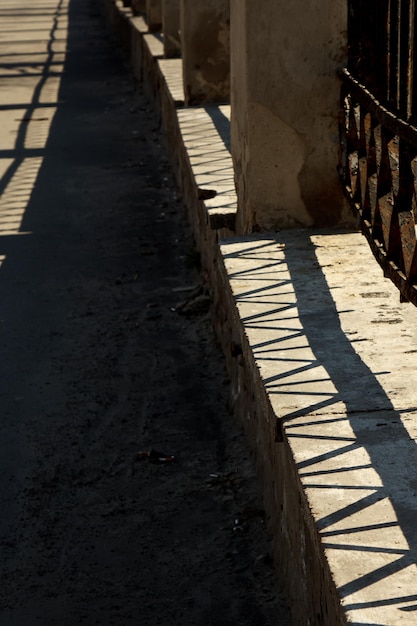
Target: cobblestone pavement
(106,353)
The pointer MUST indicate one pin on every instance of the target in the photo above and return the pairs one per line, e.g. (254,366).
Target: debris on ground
(155,457)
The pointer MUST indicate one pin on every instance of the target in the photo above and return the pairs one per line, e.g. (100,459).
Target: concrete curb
(322,359)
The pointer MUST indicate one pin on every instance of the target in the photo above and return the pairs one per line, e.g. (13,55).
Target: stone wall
(285,102)
(278,66)
(205,35)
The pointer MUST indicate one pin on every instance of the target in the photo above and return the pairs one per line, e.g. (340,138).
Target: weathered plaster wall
(171,27)
(285,103)
(205,43)
(154,14)
(138,6)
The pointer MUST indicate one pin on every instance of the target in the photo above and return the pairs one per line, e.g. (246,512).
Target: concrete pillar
(138,6)
(171,27)
(154,14)
(285,102)
(205,45)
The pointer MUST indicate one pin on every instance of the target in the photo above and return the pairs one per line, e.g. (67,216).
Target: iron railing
(378,131)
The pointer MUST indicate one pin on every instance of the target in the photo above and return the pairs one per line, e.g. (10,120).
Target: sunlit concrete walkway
(106,352)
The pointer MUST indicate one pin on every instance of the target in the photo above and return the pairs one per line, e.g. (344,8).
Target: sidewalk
(322,359)
(107,352)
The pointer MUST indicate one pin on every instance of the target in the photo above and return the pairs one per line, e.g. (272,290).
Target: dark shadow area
(221,122)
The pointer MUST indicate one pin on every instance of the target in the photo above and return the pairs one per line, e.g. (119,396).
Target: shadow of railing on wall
(352,448)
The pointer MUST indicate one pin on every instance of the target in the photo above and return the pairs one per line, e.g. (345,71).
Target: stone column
(154,14)
(205,45)
(171,27)
(285,105)
(138,6)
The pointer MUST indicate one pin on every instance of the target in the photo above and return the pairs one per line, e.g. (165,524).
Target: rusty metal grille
(378,130)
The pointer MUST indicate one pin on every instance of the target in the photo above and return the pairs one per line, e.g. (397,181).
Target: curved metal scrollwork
(378,163)
(378,169)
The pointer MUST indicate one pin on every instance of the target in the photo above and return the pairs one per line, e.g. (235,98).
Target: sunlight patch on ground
(15,199)
(30,86)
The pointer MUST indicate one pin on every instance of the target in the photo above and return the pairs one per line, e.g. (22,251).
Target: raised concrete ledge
(171,73)
(322,359)
(326,363)
(205,133)
(202,132)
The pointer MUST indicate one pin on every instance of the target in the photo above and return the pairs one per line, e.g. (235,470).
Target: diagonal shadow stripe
(351,378)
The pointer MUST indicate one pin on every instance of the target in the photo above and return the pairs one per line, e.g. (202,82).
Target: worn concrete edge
(307,578)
